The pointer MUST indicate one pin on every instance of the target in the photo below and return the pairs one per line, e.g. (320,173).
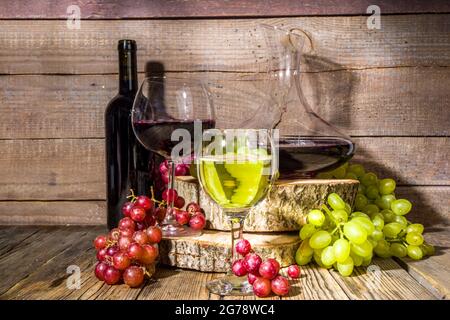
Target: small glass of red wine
(169,115)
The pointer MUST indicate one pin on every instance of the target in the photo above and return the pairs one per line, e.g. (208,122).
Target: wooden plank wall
(388,88)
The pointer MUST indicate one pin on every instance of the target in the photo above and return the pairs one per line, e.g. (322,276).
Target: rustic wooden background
(389,88)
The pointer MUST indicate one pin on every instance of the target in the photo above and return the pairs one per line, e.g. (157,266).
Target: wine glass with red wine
(169,115)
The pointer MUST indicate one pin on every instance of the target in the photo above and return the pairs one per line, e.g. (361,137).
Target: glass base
(169,231)
(230,285)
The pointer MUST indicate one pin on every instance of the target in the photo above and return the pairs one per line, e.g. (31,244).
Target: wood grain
(52,212)
(209,8)
(373,102)
(31,47)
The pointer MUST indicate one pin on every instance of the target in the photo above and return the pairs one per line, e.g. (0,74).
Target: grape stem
(328,212)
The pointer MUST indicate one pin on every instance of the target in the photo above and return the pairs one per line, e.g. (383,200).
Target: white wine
(235,182)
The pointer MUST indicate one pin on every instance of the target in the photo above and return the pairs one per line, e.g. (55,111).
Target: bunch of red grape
(264,276)
(129,252)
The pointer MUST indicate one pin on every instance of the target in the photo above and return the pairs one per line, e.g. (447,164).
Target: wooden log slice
(211,251)
(284,209)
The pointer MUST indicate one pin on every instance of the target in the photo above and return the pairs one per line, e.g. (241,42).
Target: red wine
(127,161)
(156,135)
(301,157)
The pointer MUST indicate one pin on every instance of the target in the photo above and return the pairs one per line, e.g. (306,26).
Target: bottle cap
(126,44)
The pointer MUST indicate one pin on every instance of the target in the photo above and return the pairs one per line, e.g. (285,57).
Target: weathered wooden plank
(223,45)
(52,169)
(12,238)
(41,248)
(52,212)
(49,281)
(432,272)
(209,8)
(384,279)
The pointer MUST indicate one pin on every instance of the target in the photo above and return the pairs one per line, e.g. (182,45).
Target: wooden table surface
(34,262)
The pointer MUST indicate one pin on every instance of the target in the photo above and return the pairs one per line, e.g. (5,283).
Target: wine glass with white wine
(236,168)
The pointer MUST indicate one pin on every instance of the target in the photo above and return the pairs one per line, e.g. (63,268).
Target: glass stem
(236,221)
(170,218)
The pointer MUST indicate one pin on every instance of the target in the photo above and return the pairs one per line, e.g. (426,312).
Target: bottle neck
(128,81)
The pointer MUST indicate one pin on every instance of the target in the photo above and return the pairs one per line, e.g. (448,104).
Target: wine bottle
(127,161)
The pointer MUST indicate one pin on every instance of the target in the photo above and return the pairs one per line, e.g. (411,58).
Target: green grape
(360,201)
(357,260)
(341,250)
(387,186)
(340,215)
(325,175)
(327,256)
(336,202)
(366,262)
(398,250)
(415,227)
(318,260)
(378,221)
(348,208)
(302,260)
(351,175)
(372,241)
(369,178)
(414,252)
(345,268)
(354,232)
(414,238)
(357,169)
(401,219)
(391,230)
(388,215)
(385,201)
(361,189)
(428,248)
(372,192)
(366,223)
(340,172)
(359,214)
(316,217)
(364,249)
(307,231)
(401,207)
(377,235)
(382,249)
(305,249)
(320,239)
(371,209)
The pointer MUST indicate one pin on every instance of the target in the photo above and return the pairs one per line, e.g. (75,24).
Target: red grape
(101,254)
(170,195)
(269,269)
(126,223)
(100,242)
(121,261)
(262,287)
(133,276)
(135,251)
(100,268)
(163,168)
(243,247)
(114,235)
(251,278)
(111,275)
(138,214)
(140,225)
(112,250)
(197,222)
(165,178)
(181,170)
(140,237)
(124,242)
(144,202)
(149,220)
(150,254)
(193,207)
(127,233)
(126,208)
(294,271)
(179,203)
(280,286)
(154,234)
(160,213)
(182,217)
(252,262)
(238,268)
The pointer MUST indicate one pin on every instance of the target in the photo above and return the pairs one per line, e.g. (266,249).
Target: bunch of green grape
(338,237)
